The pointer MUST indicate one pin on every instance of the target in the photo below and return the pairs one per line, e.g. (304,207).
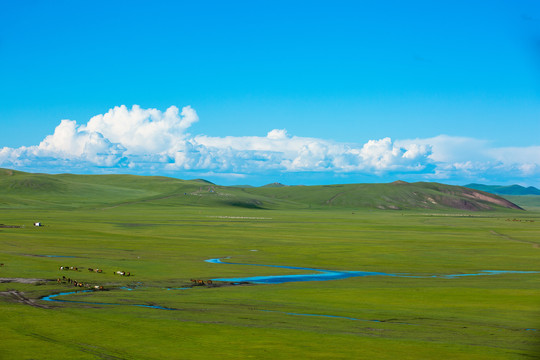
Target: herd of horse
(122,273)
(201,282)
(99,271)
(67,280)
(69,268)
(76,283)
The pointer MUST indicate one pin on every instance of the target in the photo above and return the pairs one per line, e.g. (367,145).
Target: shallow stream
(319,275)
(325,275)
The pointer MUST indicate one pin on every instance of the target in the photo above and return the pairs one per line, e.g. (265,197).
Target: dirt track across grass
(22,280)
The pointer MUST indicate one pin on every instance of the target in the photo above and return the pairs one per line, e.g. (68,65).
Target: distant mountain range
(505,190)
(26,190)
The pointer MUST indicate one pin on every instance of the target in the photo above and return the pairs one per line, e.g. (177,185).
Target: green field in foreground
(164,246)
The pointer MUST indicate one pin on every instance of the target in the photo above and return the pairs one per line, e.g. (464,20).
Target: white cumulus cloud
(150,140)
(144,131)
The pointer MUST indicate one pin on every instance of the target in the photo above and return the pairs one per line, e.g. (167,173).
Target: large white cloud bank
(153,141)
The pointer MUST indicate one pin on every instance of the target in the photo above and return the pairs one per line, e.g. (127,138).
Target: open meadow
(420,314)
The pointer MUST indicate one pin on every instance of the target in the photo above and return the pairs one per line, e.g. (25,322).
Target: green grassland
(162,230)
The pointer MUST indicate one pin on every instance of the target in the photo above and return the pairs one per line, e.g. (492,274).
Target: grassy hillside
(394,196)
(26,190)
(30,190)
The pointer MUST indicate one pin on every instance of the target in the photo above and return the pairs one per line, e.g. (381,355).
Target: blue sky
(297,92)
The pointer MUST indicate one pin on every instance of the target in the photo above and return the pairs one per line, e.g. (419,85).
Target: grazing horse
(208,282)
(200,282)
(69,268)
(90,269)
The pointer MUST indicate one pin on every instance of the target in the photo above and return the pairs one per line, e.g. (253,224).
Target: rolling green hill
(393,196)
(27,190)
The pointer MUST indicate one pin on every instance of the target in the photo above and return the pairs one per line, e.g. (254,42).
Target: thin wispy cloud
(153,141)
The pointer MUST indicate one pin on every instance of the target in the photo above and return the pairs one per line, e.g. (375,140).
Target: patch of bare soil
(9,226)
(20,298)
(494,200)
(22,280)
(461,203)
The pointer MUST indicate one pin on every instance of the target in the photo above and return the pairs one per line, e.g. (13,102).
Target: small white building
(38,224)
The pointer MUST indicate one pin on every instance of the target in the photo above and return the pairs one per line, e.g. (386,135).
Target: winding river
(54,297)
(325,275)
(318,275)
